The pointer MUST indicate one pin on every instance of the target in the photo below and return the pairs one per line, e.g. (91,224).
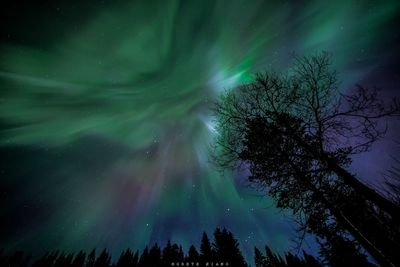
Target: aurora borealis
(105,120)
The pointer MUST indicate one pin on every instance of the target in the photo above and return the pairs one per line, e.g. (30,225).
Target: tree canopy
(297,133)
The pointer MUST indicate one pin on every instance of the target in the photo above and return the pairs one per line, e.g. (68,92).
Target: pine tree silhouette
(176,253)
(79,259)
(91,258)
(167,254)
(127,259)
(227,248)
(144,258)
(181,255)
(47,260)
(310,260)
(155,256)
(259,258)
(206,253)
(103,260)
(273,260)
(63,260)
(17,259)
(193,255)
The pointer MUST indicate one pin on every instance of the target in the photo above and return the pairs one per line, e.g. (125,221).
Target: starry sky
(105,121)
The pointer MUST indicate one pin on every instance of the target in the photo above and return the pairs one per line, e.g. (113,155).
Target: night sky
(105,121)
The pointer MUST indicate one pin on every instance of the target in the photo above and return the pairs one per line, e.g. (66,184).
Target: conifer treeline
(223,251)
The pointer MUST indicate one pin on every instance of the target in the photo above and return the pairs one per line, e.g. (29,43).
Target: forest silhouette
(222,251)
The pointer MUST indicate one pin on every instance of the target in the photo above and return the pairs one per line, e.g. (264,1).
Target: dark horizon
(221,250)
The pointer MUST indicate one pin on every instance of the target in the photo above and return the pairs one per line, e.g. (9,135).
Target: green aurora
(105,121)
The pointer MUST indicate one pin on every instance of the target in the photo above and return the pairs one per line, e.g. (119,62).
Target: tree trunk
(353,230)
(369,193)
(375,252)
(364,190)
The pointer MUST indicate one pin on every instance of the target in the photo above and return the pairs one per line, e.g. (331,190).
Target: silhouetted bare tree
(297,134)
